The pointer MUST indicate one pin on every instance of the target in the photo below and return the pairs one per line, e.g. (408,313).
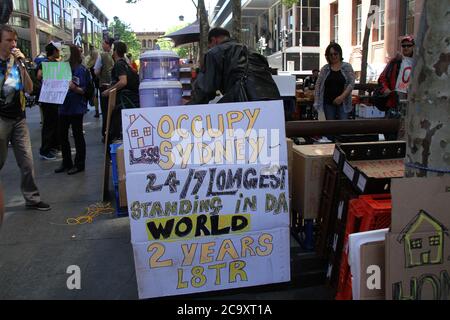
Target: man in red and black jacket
(388,79)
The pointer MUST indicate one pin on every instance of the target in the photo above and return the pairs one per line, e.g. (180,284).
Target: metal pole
(301,36)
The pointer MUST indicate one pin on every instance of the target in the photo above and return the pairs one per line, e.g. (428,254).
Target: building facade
(345,21)
(148,40)
(288,35)
(38,22)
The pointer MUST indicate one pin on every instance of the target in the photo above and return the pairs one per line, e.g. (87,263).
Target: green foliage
(125,34)
(166,44)
(288,3)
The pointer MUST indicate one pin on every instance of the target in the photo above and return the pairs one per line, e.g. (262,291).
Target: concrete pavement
(37,247)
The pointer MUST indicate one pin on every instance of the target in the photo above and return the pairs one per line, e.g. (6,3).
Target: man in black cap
(230,66)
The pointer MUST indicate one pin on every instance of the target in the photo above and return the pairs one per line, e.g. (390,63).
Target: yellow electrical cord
(93,211)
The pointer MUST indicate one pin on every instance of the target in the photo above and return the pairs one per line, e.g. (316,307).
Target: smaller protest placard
(56,79)
(405,75)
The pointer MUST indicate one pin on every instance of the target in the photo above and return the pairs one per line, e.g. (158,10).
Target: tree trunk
(237,20)
(204,29)
(365,44)
(428,113)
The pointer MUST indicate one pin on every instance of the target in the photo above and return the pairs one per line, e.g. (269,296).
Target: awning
(188,34)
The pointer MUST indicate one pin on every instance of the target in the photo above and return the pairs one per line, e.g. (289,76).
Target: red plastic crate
(368,212)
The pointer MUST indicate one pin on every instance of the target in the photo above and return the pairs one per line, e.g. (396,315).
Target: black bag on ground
(379,100)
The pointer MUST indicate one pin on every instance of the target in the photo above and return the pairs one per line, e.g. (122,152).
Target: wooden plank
(107,162)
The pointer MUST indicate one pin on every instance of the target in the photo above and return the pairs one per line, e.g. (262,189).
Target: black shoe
(97,115)
(62,168)
(74,170)
(42,206)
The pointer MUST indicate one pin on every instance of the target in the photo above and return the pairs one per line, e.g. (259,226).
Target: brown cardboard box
(417,250)
(122,177)
(372,254)
(308,172)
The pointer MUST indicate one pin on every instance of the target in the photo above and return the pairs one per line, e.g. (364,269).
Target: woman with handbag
(335,85)
(71,114)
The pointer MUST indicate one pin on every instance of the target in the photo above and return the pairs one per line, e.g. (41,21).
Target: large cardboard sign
(208,196)
(55,84)
(417,248)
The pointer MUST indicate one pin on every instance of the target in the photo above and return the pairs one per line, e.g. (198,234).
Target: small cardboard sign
(417,249)
(56,78)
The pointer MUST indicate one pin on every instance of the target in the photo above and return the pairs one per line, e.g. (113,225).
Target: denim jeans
(76,122)
(17,132)
(333,112)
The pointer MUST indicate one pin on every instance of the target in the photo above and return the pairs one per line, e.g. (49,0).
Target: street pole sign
(78,24)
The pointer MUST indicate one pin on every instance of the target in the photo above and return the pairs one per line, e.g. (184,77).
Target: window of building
(416,244)
(144,43)
(410,6)
(42,6)
(56,13)
(85,38)
(134,133)
(20,21)
(147,131)
(24,46)
(67,20)
(334,22)
(435,241)
(358,22)
(309,17)
(90,31)
(310,61)
(21,5)
(378,27)
(150,44)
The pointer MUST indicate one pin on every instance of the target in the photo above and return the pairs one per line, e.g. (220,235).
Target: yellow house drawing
(423,248)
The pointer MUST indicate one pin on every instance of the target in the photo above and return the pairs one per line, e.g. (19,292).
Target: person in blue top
(71,114)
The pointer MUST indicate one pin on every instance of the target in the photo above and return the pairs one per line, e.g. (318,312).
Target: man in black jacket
(229,64)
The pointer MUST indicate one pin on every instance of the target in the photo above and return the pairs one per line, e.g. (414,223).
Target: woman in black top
(334,85)
(126,81)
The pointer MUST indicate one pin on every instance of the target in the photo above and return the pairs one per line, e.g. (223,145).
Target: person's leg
(80,143)
(6,127)
(342,115)
(96,102)
(20,139)
(44,152)
(55,144)
(330,111)
(64,124)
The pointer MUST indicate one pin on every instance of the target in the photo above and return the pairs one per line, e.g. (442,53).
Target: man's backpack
(90,87)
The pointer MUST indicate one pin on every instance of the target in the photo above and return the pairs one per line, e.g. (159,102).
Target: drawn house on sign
(140,132)
(421,246)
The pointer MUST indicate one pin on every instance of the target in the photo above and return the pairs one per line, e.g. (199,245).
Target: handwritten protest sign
(404,75)
(55,85)
(207,191)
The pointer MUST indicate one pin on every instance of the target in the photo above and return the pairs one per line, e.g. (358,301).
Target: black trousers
(76,122)
(104,108)
(49,134)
